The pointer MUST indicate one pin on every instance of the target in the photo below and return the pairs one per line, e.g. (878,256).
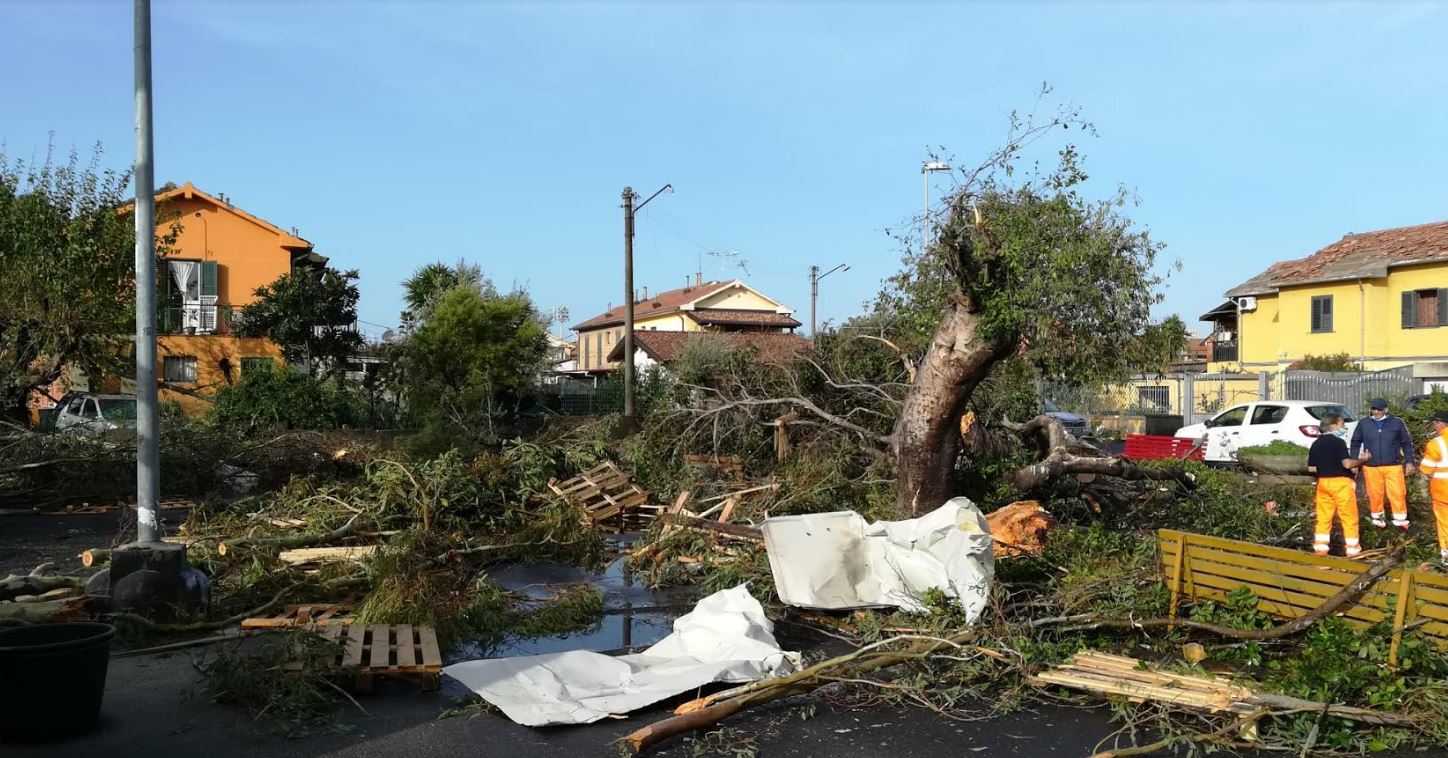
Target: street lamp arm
(841,267)
(668,187)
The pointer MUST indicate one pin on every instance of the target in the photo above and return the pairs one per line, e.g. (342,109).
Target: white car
(1262,423)
(95,414)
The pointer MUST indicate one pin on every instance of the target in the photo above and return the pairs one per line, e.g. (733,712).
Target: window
(1425,308)
(180,369)
(1269,414)
(91,411)
(75,405)
(1318,411)
(1233,417)
(1322,313)
(250,365)
(1155,397)
(117,409)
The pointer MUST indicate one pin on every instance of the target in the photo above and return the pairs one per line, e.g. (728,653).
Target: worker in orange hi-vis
(1329,461)
(1386,436)
(1435,467)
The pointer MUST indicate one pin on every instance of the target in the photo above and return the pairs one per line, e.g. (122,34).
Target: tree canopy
(67,274)
(311,314)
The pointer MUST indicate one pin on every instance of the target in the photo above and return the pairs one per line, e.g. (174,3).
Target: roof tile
(1367,256)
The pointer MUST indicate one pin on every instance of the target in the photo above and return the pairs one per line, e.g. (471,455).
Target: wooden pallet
(604,492)
(87,508)
(397,651)
(301,616)
(724,464)
(1289,583)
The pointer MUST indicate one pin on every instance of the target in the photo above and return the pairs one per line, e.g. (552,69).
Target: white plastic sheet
(726,638)
(836,560)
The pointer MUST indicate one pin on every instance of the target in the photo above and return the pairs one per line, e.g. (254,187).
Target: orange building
(221,255)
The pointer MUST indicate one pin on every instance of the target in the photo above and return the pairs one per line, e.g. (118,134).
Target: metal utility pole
(814,290)
(148,426)
(628,294)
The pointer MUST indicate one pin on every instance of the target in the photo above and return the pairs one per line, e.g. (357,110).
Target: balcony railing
(1224,351)
(198,319)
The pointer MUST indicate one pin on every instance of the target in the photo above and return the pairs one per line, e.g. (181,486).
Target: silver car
(96,414)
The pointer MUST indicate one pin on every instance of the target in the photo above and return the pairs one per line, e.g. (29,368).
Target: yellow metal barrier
(1289,583)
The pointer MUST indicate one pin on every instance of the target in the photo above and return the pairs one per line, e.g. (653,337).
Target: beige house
(728,306)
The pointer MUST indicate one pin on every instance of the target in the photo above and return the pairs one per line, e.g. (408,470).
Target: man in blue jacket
(1387,438)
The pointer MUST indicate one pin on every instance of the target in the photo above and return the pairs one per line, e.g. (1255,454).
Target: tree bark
(927,433)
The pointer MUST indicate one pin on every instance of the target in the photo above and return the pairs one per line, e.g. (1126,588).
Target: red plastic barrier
(1145,447)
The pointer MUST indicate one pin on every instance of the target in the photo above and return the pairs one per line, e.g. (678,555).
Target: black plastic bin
(52,677)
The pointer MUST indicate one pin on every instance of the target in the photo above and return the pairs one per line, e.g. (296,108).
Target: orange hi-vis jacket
(1435,461)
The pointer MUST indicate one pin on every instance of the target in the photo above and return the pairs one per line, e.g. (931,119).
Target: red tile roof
(666,347)
(663,302)
(1368,255)
(731,317)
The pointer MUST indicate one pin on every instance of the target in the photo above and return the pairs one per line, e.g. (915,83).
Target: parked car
(1074,424)
(1262,423)
(89,413)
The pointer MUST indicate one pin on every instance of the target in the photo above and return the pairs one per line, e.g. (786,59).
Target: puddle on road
(635,616)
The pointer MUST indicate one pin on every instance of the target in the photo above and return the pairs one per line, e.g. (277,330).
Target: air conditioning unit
(1246,304)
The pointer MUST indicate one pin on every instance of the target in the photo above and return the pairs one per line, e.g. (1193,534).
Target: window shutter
(1443,307)
(1410,309)
(208,278)
(1327,313)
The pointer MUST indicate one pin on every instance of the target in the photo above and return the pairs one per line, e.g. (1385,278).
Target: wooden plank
(325,554)
(406,647)
(1403,614)
(1267,551)
(379,647)
(427,640)
(352,655)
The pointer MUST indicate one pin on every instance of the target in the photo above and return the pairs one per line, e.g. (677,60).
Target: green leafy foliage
(472,363)
(67,272)
(1275,447)
(311,314)
(282,678)
(269,397)
(1330,362)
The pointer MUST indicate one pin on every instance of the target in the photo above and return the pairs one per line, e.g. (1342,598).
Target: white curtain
(182,271)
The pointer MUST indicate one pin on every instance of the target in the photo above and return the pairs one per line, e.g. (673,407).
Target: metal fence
(1350,388)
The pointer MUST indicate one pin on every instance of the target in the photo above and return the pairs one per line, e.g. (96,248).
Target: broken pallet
(395,651)
(604,492)
(303,616)
(1115,675)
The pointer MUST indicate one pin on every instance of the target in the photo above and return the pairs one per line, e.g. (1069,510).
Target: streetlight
(628,294)
(814,290)
(925,171)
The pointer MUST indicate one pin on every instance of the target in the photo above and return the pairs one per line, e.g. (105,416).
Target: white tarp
(726,638)
(836,560)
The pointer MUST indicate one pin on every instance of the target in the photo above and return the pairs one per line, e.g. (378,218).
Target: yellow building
(1380,297)
(728,306)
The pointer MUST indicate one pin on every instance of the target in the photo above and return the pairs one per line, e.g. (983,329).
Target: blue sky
(397,134)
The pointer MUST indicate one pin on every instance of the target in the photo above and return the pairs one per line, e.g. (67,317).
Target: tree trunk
(927,433)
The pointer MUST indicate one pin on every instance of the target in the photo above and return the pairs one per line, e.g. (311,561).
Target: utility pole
(814,291)
(628,303)
(148,448)
(628,294)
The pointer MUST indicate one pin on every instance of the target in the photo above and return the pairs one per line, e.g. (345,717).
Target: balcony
(1224,351)
(198,319)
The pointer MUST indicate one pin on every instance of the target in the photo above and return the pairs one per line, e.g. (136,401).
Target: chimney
(699,279)
(646,294)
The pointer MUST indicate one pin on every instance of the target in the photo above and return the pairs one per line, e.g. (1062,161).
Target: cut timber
(302,616)
(396,651)
(604,492)
(325,554)
(95,557)
(1020,528)
(1120,676)
(737,531)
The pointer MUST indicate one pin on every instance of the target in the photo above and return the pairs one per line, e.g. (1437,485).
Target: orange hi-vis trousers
(1438,491)
(1336,496)
(1387,481)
